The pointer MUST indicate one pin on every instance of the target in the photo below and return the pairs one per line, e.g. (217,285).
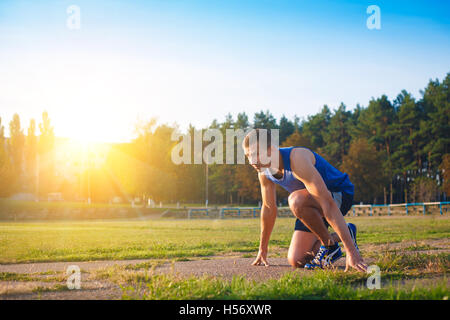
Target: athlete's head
(260,150)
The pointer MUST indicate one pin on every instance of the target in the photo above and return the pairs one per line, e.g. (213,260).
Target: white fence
(425,208)
(402,209)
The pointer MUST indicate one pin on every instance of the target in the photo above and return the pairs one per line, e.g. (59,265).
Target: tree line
(394,151)
(19,154)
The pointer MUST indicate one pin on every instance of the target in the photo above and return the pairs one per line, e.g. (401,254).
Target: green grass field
(100,240)
(415,257)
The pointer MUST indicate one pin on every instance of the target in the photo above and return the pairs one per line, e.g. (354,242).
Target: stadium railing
(426,208)
(423,208)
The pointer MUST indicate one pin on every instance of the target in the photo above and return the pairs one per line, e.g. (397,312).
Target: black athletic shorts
(344,202)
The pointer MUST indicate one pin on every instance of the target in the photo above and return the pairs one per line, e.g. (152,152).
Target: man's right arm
(268,217)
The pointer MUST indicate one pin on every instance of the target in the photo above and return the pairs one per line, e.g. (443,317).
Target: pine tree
(316,126)
(46,146)
(337,137)
(363,164)
(286,128)
(297,139)
(31,155)
(16,148)
(6,171)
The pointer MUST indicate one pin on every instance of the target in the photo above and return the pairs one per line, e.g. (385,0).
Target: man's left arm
(304,169)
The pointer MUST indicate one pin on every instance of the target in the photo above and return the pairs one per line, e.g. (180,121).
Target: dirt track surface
(44,276)
(227,268)
(39,267)
(90,290)
(94,289)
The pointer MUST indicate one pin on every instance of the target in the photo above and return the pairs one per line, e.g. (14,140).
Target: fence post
(440,208)
(353,210)
(406,207)
(389,209)
(423,204)
(371,210)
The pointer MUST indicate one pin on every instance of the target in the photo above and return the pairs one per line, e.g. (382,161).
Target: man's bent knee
(298,200)
(299,260)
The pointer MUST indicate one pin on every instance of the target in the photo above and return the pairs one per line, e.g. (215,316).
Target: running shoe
(352,229)
(325,257)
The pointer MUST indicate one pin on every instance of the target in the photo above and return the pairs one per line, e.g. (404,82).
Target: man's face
(254,158)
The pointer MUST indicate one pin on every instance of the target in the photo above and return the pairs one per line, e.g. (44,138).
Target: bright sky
(193,61)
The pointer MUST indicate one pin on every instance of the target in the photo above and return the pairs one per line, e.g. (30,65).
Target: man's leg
(302,248)
(305,208)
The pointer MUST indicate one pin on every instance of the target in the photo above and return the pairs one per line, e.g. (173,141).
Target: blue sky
(194,61)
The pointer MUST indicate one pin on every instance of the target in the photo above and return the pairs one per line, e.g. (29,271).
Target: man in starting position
(319,196)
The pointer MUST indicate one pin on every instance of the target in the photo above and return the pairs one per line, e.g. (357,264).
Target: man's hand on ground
(261,259)
(355,261)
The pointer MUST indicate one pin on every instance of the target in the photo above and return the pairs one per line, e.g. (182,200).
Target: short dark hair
(258,133)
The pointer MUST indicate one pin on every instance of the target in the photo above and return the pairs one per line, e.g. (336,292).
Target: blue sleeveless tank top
(335,180)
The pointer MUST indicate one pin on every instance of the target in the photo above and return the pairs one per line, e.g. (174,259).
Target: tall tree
(423,189)
(247,178)
(316,126)
(242,121)
(436,103)
(46,144)
(3,154)
(264,120)
(445,169)
(297,139)
(363,164)
(16,149)
(406,156)
(337,137)
(6,171)
(287,128)
(31,150)
(375,125)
